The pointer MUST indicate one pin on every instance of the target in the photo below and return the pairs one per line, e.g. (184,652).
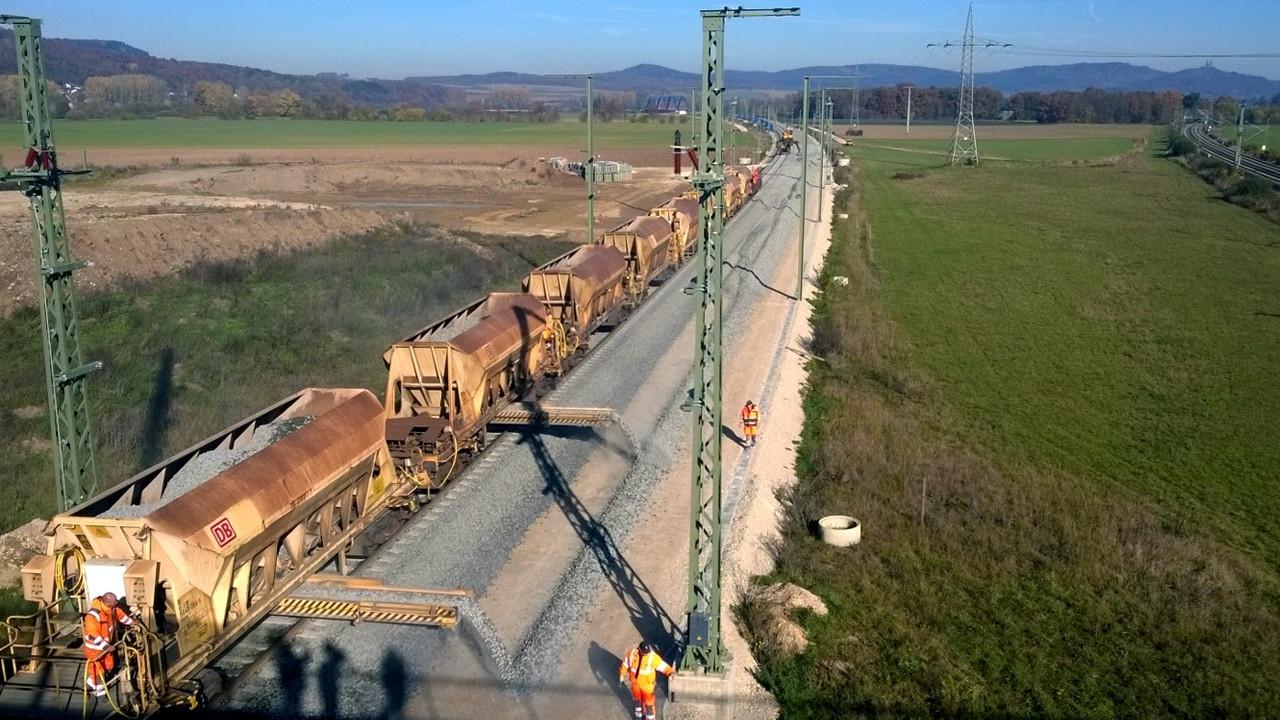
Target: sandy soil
(943,131)
(517,197)
(143,234)
(483,154)
(162,220)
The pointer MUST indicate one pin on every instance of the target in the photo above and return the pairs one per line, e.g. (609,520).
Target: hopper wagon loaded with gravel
(200,547)
(257,518)
(645,242)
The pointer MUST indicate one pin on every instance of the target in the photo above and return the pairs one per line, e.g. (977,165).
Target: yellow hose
(454,465)
(60,571)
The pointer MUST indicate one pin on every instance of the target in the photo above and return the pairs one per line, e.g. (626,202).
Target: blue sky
(395,38)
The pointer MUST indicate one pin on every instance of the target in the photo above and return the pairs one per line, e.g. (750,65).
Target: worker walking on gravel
(750,422)
(640,667)
(100,624)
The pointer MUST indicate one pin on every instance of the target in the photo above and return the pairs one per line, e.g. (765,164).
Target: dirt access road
(159,220)
(575,543)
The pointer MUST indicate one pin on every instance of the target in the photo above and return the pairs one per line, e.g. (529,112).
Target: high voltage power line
(1061,52)
(980,43)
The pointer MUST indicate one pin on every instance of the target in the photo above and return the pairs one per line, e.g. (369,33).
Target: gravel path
(465,538)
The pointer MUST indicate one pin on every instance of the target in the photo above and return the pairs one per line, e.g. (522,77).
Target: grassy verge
(187,355)
(1064,372)
(1242,189)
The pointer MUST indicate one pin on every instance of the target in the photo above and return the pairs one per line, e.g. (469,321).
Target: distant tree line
(135,95)
(11,108)
(1088,106)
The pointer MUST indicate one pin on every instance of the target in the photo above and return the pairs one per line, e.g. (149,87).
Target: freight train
(206,543)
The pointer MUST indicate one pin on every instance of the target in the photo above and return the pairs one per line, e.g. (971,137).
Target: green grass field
(1069,370)
(284,134)
(1056,150)
(1254,136)
(1126,358)
(189,354)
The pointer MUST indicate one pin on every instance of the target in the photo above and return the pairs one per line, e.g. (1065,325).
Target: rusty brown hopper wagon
(445,386)
(736,184)
(645,242)
(682,212)
(730,192)
(581,288)
(206,543)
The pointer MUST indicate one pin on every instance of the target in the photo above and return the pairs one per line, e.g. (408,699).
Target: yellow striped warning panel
(398,613)
(527,415)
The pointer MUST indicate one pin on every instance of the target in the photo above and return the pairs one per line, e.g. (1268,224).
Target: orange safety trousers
(98,667)
(643,696)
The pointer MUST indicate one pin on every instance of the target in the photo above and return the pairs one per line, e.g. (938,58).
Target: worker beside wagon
(750,418)
(100,623)
(640,667)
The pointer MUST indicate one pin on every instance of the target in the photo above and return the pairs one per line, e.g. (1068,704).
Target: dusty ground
(160,220)
(483,154)
(516,196)
(943,131)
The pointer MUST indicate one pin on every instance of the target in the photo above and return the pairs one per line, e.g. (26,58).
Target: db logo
(223,533)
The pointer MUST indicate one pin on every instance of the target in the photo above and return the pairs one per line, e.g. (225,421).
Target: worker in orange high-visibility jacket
(100,624)
(640,667)
(750,416)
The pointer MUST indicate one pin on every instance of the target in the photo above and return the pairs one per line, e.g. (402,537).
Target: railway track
(476,526)
(254,572)
(264,645)
(1196,133)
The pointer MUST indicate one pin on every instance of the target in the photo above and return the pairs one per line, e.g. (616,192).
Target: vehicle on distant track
(787,141)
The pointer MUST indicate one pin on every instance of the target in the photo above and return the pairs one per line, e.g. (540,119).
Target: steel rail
(1219,150)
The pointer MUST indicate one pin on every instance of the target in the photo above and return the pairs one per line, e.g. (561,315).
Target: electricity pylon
(704,647)
(40,180)
(964,142)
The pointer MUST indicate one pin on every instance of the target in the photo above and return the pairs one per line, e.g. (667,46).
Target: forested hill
(75,61)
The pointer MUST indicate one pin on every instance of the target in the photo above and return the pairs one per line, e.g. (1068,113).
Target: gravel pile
(201,468)
(470,531)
